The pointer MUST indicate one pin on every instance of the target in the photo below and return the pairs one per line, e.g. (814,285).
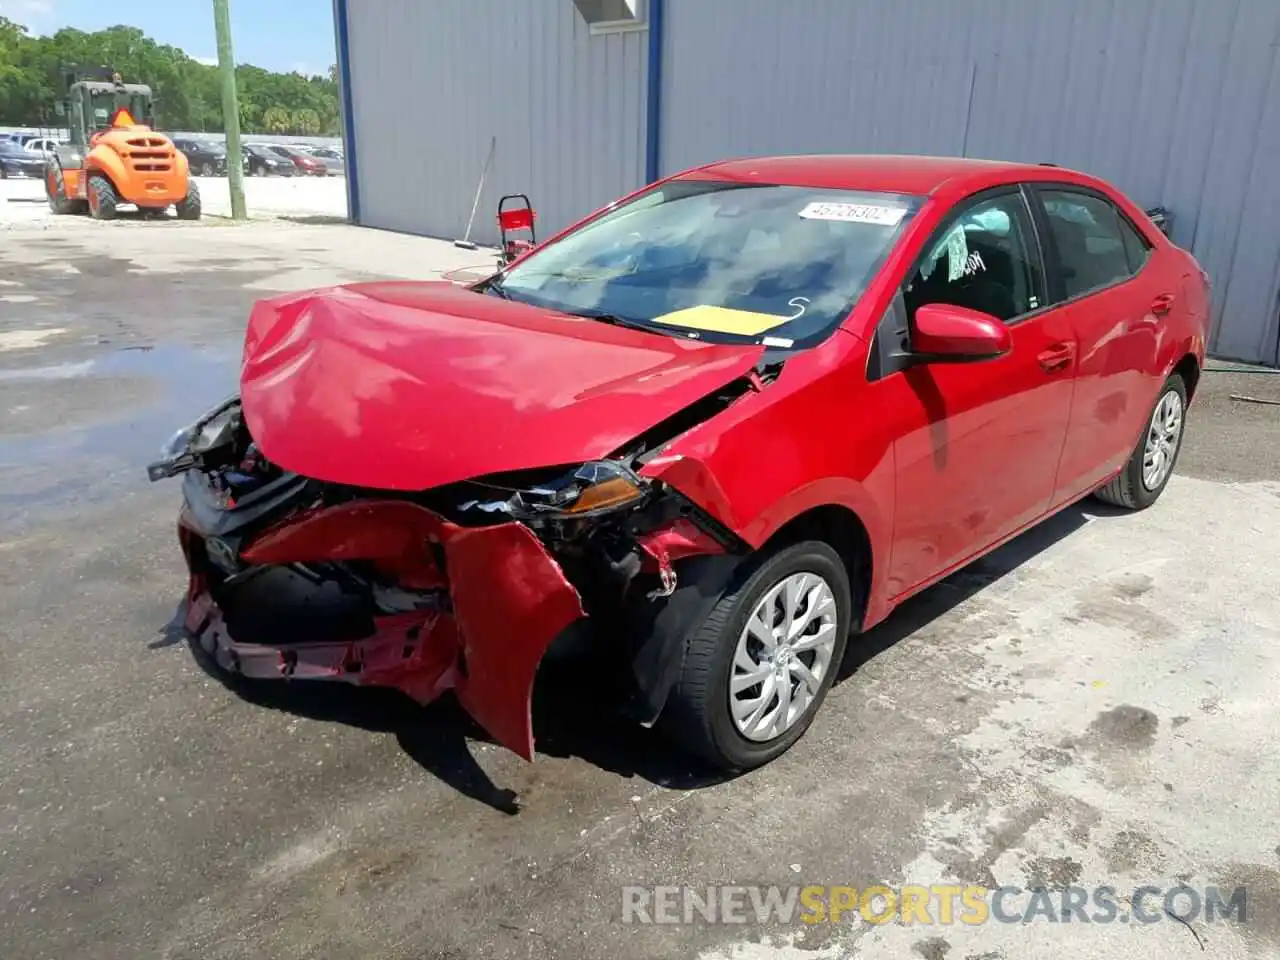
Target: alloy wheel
(1163,434)
(783,656)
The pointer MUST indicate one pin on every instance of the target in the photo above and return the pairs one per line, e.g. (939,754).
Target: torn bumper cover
(482,634)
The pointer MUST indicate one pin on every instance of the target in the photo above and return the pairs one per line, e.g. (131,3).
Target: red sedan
(307,165)
(709,434)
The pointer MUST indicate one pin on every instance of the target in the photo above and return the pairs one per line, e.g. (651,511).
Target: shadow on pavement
(947,594)
(314,219)
(573,711)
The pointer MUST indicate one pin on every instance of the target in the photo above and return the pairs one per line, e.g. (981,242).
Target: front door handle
(1162,304)
(1056,358)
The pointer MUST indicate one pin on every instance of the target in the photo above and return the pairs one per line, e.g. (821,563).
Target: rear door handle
(1055,358)
(1162,304)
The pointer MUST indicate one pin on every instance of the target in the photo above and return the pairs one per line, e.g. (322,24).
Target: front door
(979,442)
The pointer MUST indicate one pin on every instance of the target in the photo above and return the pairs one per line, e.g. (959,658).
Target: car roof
(894,174)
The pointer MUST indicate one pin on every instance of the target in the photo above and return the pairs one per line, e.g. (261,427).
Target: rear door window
(1096,245)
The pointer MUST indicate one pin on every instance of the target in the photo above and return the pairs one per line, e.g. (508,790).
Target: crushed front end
(463,587)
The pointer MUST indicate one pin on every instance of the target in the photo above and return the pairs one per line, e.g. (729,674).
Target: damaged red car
(708,434)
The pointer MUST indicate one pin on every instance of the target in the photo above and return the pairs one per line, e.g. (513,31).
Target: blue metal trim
(653,110)
(348,111)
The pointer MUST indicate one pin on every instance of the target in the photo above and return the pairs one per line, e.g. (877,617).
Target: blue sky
(276,34)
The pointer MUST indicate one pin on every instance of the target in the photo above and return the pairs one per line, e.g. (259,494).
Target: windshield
(105,103)
(726,262)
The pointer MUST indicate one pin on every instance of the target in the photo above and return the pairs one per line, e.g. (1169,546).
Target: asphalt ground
(1094,704)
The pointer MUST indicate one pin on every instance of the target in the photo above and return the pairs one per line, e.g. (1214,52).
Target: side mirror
(944,333)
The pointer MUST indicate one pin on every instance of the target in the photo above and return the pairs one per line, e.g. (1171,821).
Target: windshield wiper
(494,285)
(612,319)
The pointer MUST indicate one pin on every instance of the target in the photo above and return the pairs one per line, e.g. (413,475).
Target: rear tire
(700,713)
(189,206)
(55,189)
(102,198)
(1140,483)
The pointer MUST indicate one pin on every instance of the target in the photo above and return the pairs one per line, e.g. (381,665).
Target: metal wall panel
(431,83)
(1175,101)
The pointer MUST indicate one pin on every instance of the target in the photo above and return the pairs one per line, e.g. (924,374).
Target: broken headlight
(181,452)
(595,488)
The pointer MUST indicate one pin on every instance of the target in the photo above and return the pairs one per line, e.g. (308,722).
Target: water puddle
(100,453)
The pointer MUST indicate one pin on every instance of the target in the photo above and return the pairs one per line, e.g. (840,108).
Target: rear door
(979,443)
(1099,276)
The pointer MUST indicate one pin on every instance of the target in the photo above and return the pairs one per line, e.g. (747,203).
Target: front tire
(55,189)
(759,667)
(102,198)
(206,169)
(1151,464)
(188,207)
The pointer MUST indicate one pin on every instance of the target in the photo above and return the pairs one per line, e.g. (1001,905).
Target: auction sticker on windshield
(854,212)
(744,323)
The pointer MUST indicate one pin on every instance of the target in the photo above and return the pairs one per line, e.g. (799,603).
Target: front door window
(983,260)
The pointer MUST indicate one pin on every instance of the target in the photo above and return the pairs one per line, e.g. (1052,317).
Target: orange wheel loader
(114,157)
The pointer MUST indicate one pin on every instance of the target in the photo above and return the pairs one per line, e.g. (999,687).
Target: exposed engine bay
(464,586)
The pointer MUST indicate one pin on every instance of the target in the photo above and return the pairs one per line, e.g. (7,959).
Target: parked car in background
(332,159)
(304,164)
(205,158)
(263,162)
(43,146)
(717,427)
(16,161)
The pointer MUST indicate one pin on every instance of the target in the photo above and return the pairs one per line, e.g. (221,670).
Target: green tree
(306,122)
(188,94)
(277,120)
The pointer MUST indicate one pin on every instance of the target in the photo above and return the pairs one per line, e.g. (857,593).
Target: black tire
(1128,489)
(697,712)
(206,169)
(55,190)
(256,170)
(189,206)
(102,198)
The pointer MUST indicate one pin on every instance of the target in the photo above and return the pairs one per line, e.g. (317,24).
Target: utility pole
(230,107)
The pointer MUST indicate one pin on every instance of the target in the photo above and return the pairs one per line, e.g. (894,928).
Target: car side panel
(979,449)
(1116,381)
(814,437)
(1125,353)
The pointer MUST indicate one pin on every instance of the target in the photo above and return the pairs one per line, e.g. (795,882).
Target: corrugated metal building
(1175,101)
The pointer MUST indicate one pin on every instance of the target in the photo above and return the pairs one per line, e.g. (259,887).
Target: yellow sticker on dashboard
(746,323)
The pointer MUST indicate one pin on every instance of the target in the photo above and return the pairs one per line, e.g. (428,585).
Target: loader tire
(55,189)
(102,198)
(189,206)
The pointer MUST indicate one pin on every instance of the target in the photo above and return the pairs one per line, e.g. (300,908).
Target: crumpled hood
(411,385)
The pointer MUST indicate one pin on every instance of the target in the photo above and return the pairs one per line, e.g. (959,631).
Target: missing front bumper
(502,601)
